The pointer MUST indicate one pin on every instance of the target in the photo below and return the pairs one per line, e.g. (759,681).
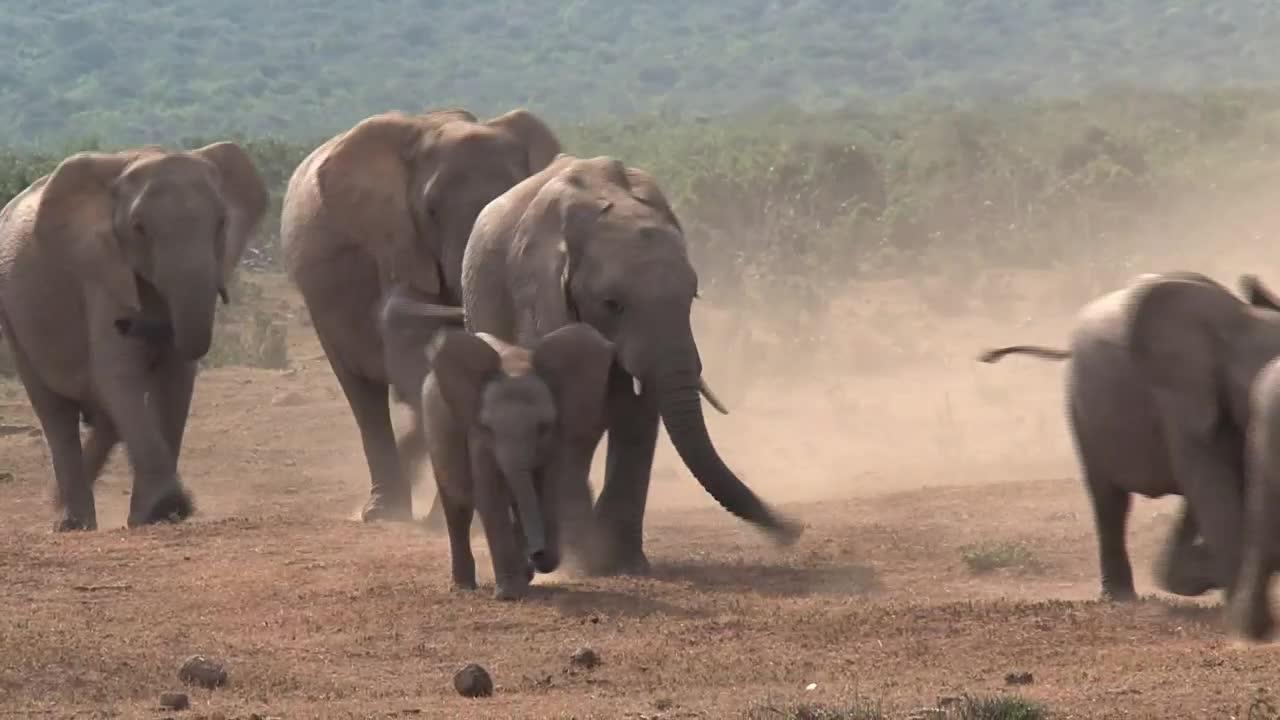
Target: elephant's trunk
(541,555)
(680,405)
(192,315)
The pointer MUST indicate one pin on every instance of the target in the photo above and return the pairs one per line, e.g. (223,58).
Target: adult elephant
(1158,403)
(110,269)
(384,207)
(590,240)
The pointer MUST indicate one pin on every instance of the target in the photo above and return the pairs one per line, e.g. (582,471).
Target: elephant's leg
(1111,517)
(389,495)
(457,518)
(102,439)
(172,384)
(632,437)
(60,421)
(1185,568)
(1210,480)
(411,448)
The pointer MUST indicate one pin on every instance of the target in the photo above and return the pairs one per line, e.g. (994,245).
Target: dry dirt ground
(897,474)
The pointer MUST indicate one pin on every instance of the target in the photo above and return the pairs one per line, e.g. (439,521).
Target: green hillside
(137,70)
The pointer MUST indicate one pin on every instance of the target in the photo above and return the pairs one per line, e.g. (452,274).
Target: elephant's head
(155,234)
(520,405)
(625,270)
(410,186)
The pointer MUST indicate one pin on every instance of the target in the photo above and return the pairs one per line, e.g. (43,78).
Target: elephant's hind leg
(1111,518)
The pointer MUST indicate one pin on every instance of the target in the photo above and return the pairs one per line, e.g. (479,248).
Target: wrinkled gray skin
(1249,608)
(110,268)
(386,208)
(1157,400)
(510,432)
(590,240)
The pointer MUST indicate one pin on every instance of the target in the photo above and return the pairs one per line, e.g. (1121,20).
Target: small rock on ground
(584,657)
(1019,678)
(473,681)
(175,701)
(203,671)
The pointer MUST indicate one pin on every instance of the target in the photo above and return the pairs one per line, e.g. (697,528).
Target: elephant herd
(522,301)
(525,304)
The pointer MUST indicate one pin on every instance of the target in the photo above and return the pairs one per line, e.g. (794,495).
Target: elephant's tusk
(636,386)
(711,397)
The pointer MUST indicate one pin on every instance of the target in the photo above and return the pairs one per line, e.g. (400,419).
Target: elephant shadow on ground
(770,580)
(588,603)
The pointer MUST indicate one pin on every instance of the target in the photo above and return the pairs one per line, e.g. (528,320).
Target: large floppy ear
(463,363)
(1178,333)
(246,196)
(1257,294)
(74,223)
(539,141)
(645,189)
(364,182)
(575,362)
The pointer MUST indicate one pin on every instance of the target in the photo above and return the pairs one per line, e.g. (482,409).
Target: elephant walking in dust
(110,270)
(594,241)
(510,432)
(1157,397)
(386,207)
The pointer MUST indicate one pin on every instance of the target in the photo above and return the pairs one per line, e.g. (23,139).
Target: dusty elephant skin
(1158,402)
(386,207)
(510,433)
(593,241)
(110,269)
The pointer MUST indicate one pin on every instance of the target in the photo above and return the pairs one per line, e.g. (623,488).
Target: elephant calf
(1158,402)
(510,431)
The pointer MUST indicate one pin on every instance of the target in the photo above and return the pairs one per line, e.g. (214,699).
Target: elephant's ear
(575,362)
(645,189)
(463,363)
(1257,294)
(1177,332)
(539,140)
(246,196)
(74,223)
(364,182)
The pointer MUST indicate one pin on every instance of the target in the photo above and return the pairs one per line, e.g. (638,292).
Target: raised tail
(1039,351)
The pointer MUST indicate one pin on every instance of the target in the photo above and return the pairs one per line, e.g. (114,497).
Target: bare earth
(894,472)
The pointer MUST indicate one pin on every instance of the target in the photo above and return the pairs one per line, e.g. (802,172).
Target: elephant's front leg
(633,435)
(1210,479)
(122,381)
(1185,568)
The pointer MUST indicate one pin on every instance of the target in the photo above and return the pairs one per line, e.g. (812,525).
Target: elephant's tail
(1039,351)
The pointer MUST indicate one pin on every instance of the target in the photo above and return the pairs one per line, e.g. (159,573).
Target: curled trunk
(531,520)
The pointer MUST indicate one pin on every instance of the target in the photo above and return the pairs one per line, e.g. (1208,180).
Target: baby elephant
(510,432)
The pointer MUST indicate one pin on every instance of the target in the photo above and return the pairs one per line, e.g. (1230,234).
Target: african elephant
(388,205)
(1157,401)
(510,432)
(590,240)
(112,266)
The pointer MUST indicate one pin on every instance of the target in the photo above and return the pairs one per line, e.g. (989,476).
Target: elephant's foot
(172,506)
(382,508)
(631,562)
(71,521)
(509,589)
(1119,594)
(1250,619)
(465,585)
(1188,573)
(434,522)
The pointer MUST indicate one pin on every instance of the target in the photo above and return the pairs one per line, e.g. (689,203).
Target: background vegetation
(851,141)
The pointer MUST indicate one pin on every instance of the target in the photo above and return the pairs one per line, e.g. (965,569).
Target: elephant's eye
(613,306)
(139,229)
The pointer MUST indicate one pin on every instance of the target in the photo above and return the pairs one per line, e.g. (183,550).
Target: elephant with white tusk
(110,269)
(594,241)
(1158,402)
